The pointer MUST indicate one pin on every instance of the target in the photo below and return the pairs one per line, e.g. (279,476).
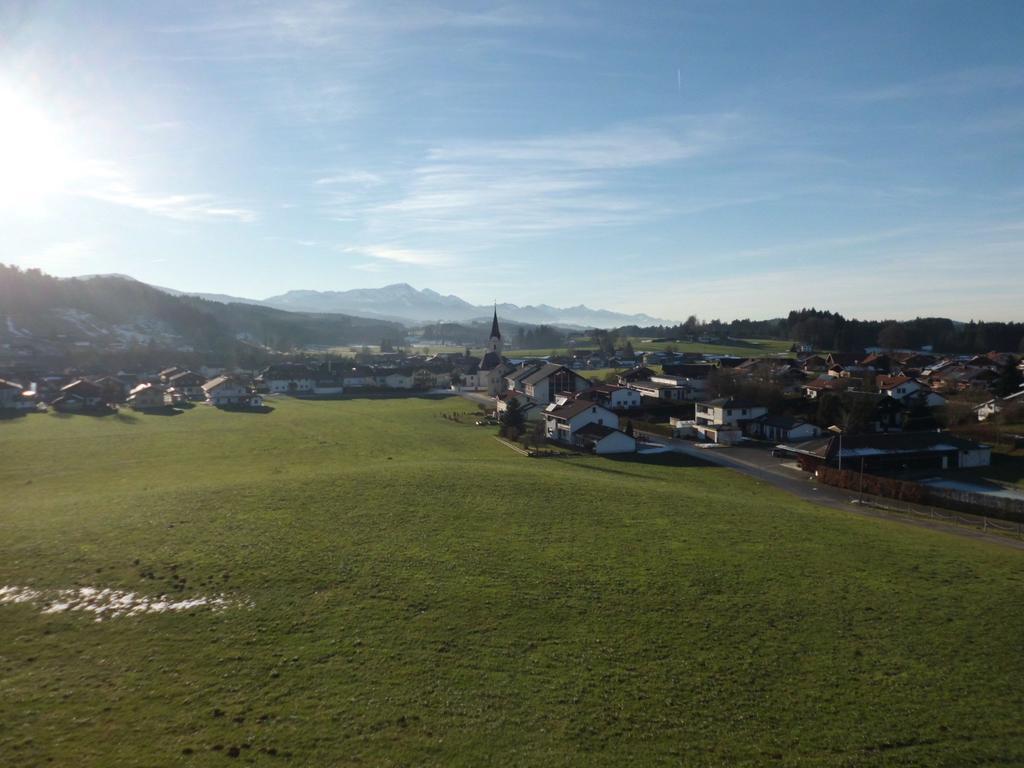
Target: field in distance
(399,589)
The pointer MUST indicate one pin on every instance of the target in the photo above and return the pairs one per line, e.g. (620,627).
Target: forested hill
(111,312)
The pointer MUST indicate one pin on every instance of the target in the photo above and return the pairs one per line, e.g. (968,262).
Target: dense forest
(830,330)
(115,313)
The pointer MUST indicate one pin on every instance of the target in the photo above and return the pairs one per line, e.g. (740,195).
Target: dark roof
(521,373)
(595,430)
(888,382)
(83,388)
(187,376)
(882,443)
(780,421)
(573,408)
(689,370)
(495,332)
(550,369)
(635,374)
(490,361)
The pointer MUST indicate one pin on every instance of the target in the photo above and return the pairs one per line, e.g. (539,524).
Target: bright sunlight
(35,161)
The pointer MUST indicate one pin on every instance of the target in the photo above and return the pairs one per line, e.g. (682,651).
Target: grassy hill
(404,590)
(111,312)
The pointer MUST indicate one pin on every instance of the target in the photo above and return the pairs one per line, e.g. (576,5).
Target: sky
(724,159)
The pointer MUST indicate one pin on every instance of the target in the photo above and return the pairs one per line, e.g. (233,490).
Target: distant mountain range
(403,303)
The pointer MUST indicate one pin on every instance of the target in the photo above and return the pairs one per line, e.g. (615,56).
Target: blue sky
(729,159)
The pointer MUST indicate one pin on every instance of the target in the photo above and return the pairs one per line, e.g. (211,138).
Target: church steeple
(495,333)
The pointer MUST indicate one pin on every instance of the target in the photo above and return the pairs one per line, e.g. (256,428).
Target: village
(888,412)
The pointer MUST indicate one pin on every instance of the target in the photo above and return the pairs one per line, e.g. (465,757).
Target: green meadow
(406,590)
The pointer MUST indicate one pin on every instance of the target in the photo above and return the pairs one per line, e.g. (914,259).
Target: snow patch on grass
(109,603)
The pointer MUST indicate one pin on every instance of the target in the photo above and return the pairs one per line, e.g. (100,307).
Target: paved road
(761,465)
(477,397)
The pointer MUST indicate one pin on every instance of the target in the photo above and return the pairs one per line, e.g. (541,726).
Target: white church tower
(492,366)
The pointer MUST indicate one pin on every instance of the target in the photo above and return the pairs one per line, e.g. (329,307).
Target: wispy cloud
(111,184)
(318,24)
(495,190)
(410,256)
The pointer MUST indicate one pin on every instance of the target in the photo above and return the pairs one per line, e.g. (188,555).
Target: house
(395,378)
(892,451)
(358,376)
(531,411)
(543,383)
(960,378)
(997,405)
(114,389)
(188,385)
(602,439)
(781,429)
(79,395)
(561,422)
(231,391)
(721,420)
(813,389)
(613,397)
(899,387)
(287,379)
(327,380)
(878,362)
(814,364)
(166,373)
(10,395)
(727,411)
(640,373)
(144,397)
(660,389)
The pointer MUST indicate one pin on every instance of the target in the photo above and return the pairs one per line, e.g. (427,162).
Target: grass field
(404,590)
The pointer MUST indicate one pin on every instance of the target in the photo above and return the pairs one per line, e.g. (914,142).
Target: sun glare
(34,158)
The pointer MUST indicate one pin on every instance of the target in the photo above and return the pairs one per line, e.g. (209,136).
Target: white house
(660,390)
(146,396)
(231,391)
(561,422)
(602,439)
(898,387)
(727,411)
(289,379)
(616,398)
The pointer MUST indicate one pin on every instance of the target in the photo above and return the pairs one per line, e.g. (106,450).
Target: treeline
(540,337)
(830,330)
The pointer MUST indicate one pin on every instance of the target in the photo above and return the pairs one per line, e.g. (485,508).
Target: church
(493,367)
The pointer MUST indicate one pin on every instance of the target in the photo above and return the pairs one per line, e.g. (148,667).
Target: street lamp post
(839,431)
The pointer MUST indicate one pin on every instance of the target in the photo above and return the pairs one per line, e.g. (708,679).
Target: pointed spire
(495,333)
